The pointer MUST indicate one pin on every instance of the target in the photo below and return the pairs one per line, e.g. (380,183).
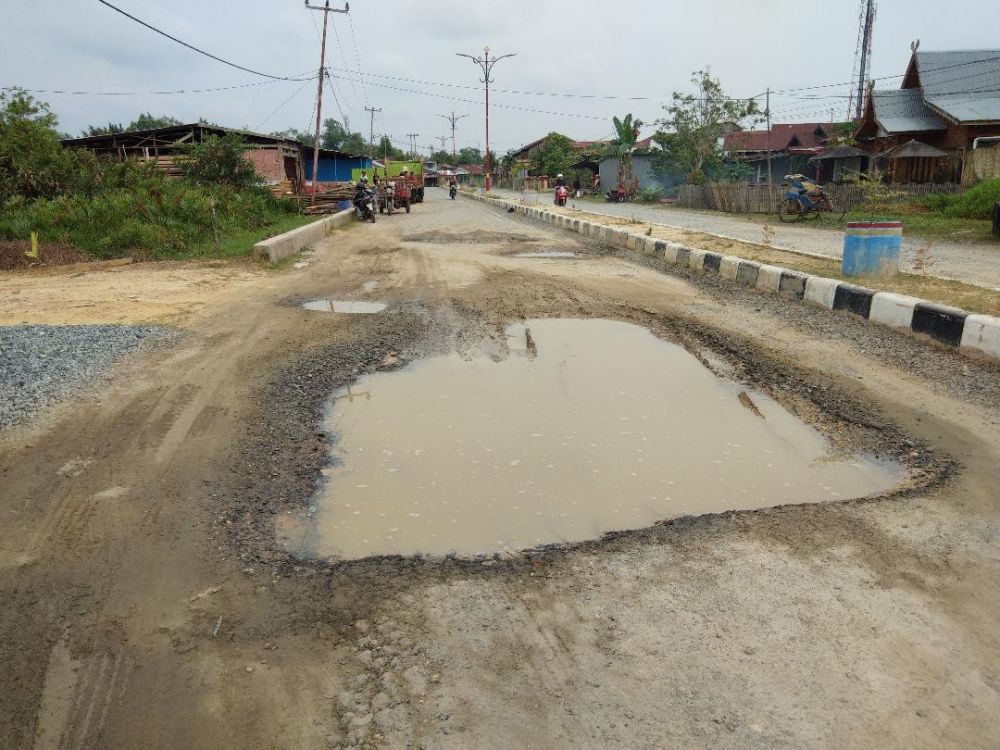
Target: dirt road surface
(147,602)
(976,263)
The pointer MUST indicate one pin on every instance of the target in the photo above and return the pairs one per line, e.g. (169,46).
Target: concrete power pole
(452,120)
(326,10)
(413,143)
(371,131)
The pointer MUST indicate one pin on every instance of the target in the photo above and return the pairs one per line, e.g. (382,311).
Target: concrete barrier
(949,325)
(893,310)
(982,334)
(821,291)
(285,245)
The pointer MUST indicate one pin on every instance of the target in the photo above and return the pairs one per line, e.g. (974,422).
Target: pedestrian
(576,186)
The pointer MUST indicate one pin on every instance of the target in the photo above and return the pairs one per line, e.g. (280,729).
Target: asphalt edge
(951,326)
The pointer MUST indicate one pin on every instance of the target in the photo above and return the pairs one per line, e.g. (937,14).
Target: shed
(334,166)
(917,162)
(836,163)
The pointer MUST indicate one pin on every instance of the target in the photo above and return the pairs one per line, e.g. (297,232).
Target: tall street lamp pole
(486,63)
(326,10)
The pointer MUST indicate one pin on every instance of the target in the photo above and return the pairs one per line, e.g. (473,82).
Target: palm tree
(626,136)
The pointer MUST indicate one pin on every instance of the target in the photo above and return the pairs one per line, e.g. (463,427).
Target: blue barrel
(344,205)
(871,248)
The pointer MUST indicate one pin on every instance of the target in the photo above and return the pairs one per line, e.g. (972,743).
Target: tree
(441,156)
(626,136)
(306,139)
(219,159)
(356,145)
(385,149)
(33,162)
(554,155)
(697,123)
(470,155)
(145,121)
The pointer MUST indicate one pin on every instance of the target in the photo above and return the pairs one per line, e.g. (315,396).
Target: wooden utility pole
(371,131)
(326,10)
(452,120)
(486,64)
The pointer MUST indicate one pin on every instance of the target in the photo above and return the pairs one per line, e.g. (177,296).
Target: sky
(572,58)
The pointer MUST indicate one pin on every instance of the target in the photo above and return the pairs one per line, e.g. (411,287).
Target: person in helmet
(560,182)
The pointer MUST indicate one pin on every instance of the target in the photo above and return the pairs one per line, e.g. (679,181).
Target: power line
(190,46)
(282,105)
(158,93)
(357,58)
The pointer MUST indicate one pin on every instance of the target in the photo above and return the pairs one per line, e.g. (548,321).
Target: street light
(486,63)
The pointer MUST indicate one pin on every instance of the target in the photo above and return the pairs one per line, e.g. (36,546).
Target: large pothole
(587,426)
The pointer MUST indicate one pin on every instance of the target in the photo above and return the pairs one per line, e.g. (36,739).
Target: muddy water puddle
(345,306)
(587,426)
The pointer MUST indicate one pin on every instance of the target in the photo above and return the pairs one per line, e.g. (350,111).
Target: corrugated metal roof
(904,111)
(963,84)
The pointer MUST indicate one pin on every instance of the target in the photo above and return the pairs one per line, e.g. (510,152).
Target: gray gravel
(40,364)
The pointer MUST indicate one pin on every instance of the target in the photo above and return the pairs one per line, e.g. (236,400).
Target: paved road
(972,262)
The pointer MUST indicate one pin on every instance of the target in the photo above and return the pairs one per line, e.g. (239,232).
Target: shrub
(975,203)
(650,194)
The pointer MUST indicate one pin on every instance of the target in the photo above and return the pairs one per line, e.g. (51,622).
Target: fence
(981,164)
(744,198)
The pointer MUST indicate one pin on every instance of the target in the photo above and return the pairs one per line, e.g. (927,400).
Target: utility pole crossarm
(486,64)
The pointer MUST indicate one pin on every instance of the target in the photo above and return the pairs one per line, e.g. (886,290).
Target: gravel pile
(40,364)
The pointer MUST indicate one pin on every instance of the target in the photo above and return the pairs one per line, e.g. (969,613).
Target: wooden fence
(744,198)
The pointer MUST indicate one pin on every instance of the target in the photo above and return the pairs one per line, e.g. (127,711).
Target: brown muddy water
(587,426)
(346,306)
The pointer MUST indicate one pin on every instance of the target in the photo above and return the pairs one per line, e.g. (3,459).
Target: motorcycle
(452,191)
(615,195)
(364,205)
(387,202)
(562,195)
(804,199)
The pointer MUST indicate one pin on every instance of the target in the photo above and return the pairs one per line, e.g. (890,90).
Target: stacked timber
(328,198)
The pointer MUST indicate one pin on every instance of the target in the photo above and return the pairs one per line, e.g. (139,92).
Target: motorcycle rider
(560,182)
(453,186)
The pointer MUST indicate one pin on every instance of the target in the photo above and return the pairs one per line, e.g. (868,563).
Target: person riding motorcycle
(452,187)
(560,182)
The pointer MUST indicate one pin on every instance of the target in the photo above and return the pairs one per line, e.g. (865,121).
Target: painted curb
(953,327)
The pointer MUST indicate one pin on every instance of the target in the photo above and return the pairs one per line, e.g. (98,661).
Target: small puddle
(588,426)
(547,254)
(346,306)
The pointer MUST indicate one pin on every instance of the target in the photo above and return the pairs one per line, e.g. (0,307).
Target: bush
(975,203)
(132,209)
(650,194)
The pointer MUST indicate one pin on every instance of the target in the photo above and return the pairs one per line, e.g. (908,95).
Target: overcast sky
(573,48)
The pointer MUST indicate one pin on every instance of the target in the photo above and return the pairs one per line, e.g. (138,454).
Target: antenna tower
(862,60)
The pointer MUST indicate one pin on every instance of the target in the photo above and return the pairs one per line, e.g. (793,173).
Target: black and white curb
(949,325)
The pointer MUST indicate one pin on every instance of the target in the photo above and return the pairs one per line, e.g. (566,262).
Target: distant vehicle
(562,195)
(365,199)
(615,195)
(409,174)
(452,191)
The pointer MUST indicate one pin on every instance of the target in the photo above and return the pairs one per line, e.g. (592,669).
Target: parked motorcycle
(365,201)
(452,191)
(615,195)
(562,195)
(387,201)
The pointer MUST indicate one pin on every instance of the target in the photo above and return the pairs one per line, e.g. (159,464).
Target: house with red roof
(789,146)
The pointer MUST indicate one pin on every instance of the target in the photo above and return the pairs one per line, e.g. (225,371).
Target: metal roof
(964,85)
(914,149)
(904,111)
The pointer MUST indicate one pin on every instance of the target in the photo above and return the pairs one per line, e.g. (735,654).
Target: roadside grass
(955,293)
(240,242)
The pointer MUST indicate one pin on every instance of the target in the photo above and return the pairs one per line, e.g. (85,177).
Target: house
(283,163)
(789,146)
(643,169)
(277,160)
(524,156)
(946,109)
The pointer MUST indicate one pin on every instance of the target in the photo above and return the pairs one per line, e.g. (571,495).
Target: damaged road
(151,598)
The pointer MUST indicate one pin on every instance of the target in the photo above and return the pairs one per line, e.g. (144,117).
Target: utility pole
(413,142)
(326,10)
(453,119)
(767,112)
(486,64)
(371,131)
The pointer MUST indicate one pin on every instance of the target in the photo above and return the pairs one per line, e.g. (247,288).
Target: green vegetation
(110,209)
(626,135)
(975,203)
(695,125)
(650,194)
(145,121)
